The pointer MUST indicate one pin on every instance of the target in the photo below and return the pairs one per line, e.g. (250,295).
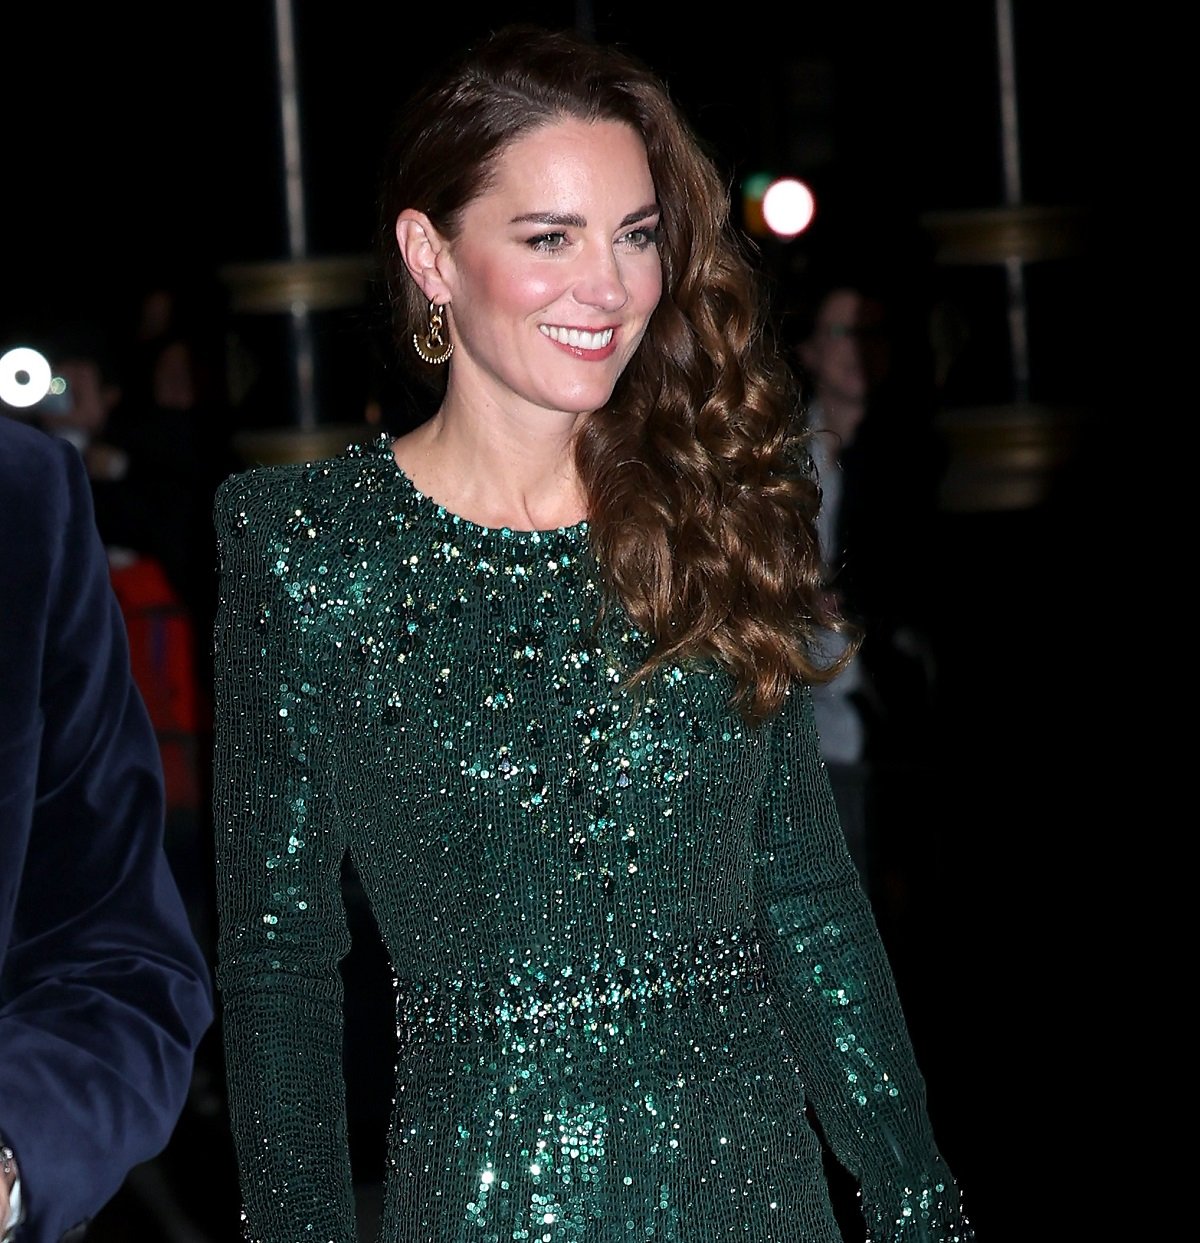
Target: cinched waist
(532,994)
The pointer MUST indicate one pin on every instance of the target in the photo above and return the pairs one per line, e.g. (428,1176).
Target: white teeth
(577,337)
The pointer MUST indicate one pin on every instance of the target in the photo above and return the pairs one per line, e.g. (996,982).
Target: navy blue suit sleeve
(104,991)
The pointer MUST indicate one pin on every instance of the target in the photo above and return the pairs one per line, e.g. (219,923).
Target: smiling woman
(543,669)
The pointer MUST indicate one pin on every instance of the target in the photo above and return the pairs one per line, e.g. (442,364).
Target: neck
(497,469)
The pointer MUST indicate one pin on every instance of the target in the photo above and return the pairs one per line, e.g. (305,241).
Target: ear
(425,252)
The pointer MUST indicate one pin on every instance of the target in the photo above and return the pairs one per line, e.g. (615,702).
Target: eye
(641,237)
(548,241)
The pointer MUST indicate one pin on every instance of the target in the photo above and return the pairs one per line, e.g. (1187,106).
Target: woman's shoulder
(285,491)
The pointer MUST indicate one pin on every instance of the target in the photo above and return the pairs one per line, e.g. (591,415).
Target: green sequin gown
(629,944)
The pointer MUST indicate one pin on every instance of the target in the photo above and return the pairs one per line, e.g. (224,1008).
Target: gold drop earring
(435,348)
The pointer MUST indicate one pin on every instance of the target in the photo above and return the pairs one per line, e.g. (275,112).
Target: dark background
(143,144)
(142,139)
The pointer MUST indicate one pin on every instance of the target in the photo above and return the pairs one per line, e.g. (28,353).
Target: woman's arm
(838,1001)
(282,925)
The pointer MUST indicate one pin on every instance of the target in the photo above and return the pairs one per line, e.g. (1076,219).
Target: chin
(584,402)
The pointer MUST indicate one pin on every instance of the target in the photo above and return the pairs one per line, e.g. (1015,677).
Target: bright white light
(25,376)
(788,207)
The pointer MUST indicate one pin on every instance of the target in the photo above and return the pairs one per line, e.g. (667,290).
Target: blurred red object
(163,656)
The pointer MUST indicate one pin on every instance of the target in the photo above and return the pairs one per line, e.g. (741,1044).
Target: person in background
(878,465)
(175,419)
(542,668)
(144,399)
(105,993)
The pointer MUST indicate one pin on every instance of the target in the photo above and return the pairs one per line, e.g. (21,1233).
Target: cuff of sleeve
(933,1213)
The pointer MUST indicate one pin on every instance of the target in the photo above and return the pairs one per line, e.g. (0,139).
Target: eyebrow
(579,222)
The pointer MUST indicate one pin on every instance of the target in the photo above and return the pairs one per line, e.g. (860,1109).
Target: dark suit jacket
(104,991)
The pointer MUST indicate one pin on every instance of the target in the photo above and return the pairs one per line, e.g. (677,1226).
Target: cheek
(648,287)
(508,288)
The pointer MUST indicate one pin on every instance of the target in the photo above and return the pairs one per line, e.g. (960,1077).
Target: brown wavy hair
(701,492)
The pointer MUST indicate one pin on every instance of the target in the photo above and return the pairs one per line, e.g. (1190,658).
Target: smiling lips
(579,341)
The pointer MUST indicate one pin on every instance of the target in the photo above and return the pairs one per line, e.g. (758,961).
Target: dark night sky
(143,140)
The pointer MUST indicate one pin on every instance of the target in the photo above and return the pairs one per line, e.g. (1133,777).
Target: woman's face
(555,271)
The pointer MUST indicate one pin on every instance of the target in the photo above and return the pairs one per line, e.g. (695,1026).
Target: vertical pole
(300,335)
(1014,270)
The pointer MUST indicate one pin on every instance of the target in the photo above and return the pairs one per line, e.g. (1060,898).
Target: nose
(600,282)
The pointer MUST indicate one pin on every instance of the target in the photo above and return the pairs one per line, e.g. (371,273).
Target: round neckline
(575,531)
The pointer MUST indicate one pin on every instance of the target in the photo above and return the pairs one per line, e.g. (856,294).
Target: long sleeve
(104,991)
(282,924)
(838,1000)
